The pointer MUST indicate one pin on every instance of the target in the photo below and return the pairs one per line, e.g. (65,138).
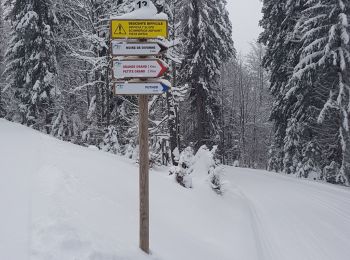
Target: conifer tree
(31,59)
(326,53)
(177,94)
(207,44)
(282,54)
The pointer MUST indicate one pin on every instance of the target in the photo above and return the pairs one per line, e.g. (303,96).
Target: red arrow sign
(143,68)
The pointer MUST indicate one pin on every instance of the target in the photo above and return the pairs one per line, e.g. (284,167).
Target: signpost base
(144,173)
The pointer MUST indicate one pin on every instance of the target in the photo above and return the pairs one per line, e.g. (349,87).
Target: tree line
(55,70)
(285,106)
(308,58)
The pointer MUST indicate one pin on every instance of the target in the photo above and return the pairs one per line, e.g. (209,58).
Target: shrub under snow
(201,167)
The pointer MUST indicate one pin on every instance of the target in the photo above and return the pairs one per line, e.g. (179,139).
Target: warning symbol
(120,30)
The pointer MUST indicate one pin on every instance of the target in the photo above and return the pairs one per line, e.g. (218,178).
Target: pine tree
(282,54)
(326,53)
(31,59)
(207,44)
(177,93)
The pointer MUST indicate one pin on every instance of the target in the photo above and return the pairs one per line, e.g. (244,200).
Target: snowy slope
(60,201)
(294,218)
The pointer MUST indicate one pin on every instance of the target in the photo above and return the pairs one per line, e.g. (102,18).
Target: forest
(284,107)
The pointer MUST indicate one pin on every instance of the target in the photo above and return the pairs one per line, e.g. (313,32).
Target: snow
(61,201)
(149,13)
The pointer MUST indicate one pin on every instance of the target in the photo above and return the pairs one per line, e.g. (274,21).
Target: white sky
(245,16)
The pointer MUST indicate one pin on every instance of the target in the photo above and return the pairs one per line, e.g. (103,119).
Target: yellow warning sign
(139,29)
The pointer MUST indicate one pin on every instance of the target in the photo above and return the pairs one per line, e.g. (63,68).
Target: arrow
(143,68)
(120,48)
(165,87)
(141,88)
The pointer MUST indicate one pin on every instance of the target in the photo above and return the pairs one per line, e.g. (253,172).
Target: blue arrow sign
(141,88)
(165,87)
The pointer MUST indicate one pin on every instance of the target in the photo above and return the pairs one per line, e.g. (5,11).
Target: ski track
(264,248)
(317,235)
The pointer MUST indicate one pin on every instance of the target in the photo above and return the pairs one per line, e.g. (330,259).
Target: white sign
(141,4)
(120,48)
(141,88)
(143,68)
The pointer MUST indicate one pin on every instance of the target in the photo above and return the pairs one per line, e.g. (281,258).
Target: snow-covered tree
(325,29)
(3,47)
(215,172)
(60,127)
(31,60)
(207,44)
(183,170)
(245,104)
(110,141)
(282,54)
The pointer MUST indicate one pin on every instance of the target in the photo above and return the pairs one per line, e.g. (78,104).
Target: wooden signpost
(137,69)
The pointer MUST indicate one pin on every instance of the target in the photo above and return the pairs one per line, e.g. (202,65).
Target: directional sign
(139,29)
(137,48)
(141,88)
(142,68)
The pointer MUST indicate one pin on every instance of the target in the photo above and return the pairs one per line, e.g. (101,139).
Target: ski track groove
(263,246)
(297,193)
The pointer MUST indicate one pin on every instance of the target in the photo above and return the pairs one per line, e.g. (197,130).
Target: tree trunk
(171,126)
(201,124)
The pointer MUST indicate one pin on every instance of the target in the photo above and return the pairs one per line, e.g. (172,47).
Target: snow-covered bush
(60,128)
(183,170)
(66,127)
(131,151)
(331,174)
(215,177)
(215,172)
(309,165)
(155,153)
(202,167)
(110,141)
(155,159)
(206,168)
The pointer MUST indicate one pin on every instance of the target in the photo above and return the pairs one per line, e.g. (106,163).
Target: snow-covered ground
(59,201)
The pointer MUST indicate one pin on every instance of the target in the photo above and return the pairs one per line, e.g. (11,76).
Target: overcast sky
(245,16)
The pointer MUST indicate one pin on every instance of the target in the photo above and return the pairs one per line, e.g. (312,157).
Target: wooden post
(144,173)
